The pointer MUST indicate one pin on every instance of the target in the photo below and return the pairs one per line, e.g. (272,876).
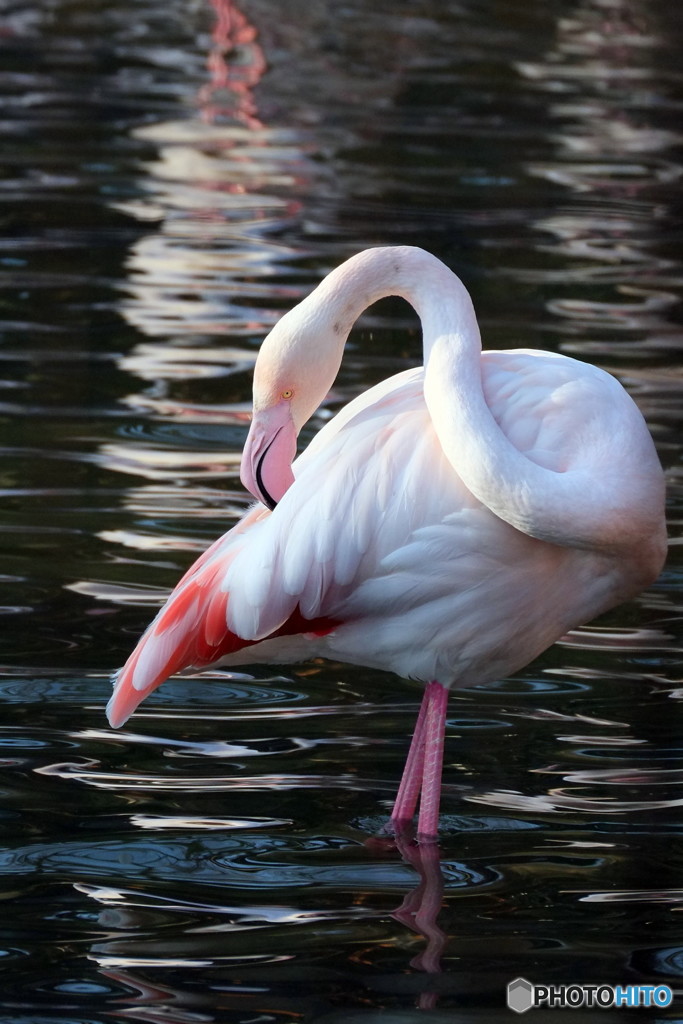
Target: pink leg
(411,780)
(430,798)
(422,772)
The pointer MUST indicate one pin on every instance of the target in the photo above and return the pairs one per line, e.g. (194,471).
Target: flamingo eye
(286,394)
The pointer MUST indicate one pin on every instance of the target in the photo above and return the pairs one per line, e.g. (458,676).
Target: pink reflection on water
(236,64)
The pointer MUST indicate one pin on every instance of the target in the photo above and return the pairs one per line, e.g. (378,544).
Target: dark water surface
(174,176)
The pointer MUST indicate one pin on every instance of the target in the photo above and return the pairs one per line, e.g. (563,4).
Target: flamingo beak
(268,454)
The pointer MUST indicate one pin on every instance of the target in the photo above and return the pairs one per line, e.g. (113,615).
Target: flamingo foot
(422,773)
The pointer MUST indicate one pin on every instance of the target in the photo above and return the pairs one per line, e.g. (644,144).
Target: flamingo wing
(191,629)
(273,574)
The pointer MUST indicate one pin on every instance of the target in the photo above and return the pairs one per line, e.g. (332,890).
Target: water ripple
(667,896)
(88,773)
(559,801)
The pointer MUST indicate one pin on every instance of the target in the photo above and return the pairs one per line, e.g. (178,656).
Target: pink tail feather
(191,631)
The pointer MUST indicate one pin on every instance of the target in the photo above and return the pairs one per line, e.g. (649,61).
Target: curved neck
(470,438)
(439,297)
(502,478)
(319,325)
(560,507)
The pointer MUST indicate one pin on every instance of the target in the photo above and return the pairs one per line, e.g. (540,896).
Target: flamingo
(448,525)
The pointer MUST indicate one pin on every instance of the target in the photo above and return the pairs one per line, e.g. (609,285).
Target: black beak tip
(267,500)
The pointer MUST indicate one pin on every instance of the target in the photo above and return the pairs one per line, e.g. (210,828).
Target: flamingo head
(270,450)
(295,368)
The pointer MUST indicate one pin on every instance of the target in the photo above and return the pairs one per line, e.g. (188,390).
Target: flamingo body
(384,549)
